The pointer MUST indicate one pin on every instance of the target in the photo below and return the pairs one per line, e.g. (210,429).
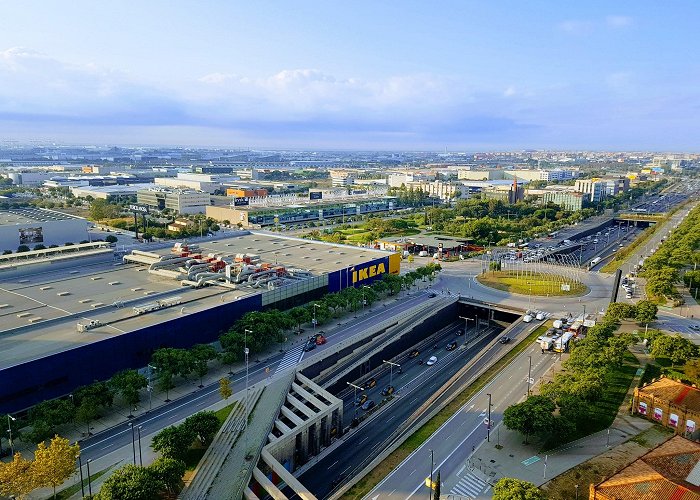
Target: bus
(594,262)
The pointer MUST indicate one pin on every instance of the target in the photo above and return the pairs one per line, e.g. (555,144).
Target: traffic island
(540,284)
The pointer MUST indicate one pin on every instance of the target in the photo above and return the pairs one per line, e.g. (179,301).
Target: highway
(357,448)
(455,440)
(113,439)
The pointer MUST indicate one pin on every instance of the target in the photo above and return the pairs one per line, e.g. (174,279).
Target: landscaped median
(368,482)
(541,284)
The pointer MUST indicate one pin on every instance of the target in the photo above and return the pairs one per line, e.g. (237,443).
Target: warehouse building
(74,319)
(39,226)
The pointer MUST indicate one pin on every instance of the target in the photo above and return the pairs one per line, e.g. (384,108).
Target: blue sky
(364,74)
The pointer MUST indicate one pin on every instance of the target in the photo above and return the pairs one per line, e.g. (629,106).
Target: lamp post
(140,456)
(149,387)
(246,351)
(529,371)
(488,426)
(363,298)
(432,464)
(89,477)
(11,419)
(391,369)
(354,401)
(82,485)
(133,440)
(314,320)
(465,327)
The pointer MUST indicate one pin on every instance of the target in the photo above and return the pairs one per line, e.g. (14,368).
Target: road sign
(138,208)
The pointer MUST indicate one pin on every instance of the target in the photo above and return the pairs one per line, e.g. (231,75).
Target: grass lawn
(541,284)
(368,482)
(602,413)
(72,490)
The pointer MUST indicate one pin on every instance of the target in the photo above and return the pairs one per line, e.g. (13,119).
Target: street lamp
(529,371)
(314,320)
(133,440)
(11,419)
(363,297)
(432,463)
(246,351)
(89,477)
(82,483)
(488,426)
(465,325)
(354,401)
(140,456)
(391,369)
(149,388)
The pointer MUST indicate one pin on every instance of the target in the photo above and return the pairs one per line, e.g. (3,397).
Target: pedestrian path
(469,486)
(290,359)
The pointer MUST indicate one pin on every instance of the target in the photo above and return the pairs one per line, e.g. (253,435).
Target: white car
(527,318)
(539,316)
(431,361)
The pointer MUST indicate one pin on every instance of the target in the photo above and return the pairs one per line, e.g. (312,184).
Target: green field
(541,284)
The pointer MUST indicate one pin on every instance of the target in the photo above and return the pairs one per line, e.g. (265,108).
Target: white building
(38,226)
(596,188)
(182,201)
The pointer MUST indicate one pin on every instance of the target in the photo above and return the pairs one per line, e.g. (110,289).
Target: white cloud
(618,21)
(510,91)
(575,27)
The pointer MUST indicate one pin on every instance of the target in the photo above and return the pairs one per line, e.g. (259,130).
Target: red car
(320,339)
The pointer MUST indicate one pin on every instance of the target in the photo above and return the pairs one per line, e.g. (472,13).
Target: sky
(388,75)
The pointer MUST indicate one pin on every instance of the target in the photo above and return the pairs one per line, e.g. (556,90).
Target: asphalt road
(361,445)
(112,439)
(455,440)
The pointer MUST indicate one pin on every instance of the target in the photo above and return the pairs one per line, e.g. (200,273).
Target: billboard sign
(29,235)
(315,195)
(138,208)
(642,408)
(690,426)
(658,414)
(242,201)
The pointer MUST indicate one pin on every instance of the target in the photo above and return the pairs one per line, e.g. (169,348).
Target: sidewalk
(119,414)
(515,459)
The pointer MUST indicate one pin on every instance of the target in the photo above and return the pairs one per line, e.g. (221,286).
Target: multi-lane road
(114,438)
(454,442)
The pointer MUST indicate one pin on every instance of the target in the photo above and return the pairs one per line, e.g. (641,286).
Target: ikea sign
(368,272)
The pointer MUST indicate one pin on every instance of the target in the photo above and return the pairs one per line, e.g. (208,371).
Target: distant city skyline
(407,76)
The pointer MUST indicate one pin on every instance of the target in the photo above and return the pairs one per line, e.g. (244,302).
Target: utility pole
(133,440)
(11,419)
(354,401)
(432,464)
(529,370)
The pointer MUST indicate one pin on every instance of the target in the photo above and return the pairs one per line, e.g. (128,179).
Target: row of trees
(564,404)
(87,403)
(161,479)
(662,269)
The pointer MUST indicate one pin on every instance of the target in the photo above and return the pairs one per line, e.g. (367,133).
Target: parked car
(388,390)
(368,405)
(431,361)
(451,346)
(361,399)
(371,382)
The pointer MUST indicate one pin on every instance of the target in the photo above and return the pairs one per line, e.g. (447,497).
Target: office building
(181,201)
(596,188)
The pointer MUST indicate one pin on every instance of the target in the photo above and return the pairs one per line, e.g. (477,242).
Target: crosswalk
(290,359)
(469,486)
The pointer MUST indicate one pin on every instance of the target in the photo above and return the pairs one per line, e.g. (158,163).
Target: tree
(128,383)
(111,238)
(17,478)
(46,417)
(164,382)
(22,248)
(299,315)
(646,311)
(173,441)
(225,388)
(132,482)
(203,424)
(168,472)
(508,488)
(202,354)
(101,209)
(533,416)
(620,310)
(55,463)
(90,399)
(677,349)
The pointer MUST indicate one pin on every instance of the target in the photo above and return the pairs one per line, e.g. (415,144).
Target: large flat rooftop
(79,293)
(30,215)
